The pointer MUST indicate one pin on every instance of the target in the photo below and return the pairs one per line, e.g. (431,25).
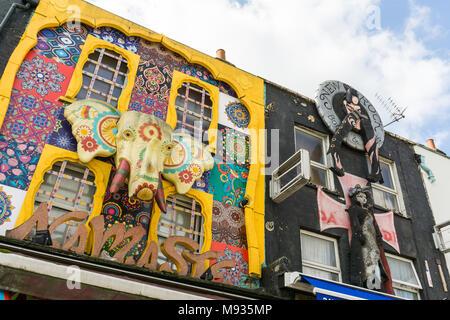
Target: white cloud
(299,44)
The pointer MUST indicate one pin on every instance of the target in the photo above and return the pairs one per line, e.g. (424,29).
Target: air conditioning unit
(291,176)
(441,236)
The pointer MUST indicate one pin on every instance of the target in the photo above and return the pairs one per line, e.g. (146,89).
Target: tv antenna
(395,111)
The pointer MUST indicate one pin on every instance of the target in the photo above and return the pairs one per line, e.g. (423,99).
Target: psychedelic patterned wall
(35,118)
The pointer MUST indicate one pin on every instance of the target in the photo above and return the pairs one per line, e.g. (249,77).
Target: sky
(397,49)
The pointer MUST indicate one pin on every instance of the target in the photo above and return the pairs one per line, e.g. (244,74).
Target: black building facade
(297,217)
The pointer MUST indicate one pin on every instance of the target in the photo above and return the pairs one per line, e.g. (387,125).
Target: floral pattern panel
(237,275)
(62,43)
(11,200)
(118,38)
(30,117)
(43,77)
(18,160)
(228,225)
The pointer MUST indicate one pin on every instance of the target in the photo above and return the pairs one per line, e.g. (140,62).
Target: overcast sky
(396,48)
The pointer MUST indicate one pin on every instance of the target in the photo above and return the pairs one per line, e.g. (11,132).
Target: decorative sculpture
(368,266)
(144,147)
(356,119)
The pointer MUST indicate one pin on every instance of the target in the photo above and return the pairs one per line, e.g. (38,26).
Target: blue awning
(331,290)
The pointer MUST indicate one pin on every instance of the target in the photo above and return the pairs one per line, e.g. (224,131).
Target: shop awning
(332,290)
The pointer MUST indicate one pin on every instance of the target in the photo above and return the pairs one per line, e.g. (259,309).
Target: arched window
(183,218)
(67,186)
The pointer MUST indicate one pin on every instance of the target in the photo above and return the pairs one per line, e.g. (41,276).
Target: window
(316,144)
(105,72)
(67,187)
(388,194)
(405,282)
(320,257)
(194,110)
(104,76)
(183,218)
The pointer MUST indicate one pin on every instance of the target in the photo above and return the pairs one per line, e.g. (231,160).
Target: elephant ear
(187,161)
(94,126)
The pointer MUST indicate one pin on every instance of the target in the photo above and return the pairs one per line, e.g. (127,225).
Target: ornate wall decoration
(30,117)
(154,80)
(43,77)
(228,225)
(118,38)
(329,101)
(62,136)
(147,103)
(11,200)
(228,182)
(62,43)
(233,114)
(119,208)
(233,147)
(18,160)
(239,256)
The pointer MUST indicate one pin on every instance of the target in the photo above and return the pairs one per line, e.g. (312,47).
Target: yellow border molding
(50,155)
(89,47)
(177,80)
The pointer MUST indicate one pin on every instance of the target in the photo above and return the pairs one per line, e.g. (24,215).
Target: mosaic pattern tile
(149,104)
(237,274)
(154,80)
(30,117)
(160,56)
(18,160)
(233,147)
(118,38)
(227,182)
(62,43)
(42,77)
(62,136)
(119,208)
(11,200)
(228,225)
(202,183)
(233,114)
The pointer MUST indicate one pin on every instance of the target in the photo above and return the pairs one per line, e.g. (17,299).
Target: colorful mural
(37,117)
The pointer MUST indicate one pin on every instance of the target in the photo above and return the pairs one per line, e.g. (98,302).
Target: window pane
(402,271)
(320,273)
(312,144)
(385,199)
(318,176)
(386,172)
(318,250)
(406,294)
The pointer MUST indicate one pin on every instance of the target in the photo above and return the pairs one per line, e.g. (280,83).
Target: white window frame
(405,286)
(325,144)
(319,266)
(396,191)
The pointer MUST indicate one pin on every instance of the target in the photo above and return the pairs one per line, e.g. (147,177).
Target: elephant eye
(128,134)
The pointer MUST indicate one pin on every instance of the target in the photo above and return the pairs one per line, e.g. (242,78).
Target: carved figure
(356,119)
(144,147)
(366,265)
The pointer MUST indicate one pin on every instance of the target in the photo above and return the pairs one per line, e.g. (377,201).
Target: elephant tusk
(159,196)
(119,179)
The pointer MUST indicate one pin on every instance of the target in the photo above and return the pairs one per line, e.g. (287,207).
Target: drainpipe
(27,4)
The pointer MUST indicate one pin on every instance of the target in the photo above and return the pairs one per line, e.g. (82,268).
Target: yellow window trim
(206,202)
(249,89)
(89,47)
(177,80)
(50,155)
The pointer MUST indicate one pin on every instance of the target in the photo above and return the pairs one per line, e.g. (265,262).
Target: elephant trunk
(159,196)
(119,179)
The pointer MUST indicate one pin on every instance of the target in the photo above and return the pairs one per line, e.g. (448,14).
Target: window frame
(50,155)
(172,119)
(335,270)
(405,286)
(91,44)
(396,191)
(325,144)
